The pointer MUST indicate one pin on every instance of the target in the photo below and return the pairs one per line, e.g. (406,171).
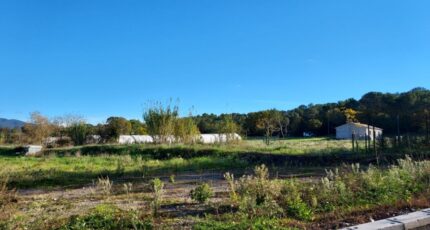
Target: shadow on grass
(11,151)
(53,177)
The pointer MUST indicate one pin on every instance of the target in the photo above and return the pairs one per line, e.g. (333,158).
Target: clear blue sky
(103,58)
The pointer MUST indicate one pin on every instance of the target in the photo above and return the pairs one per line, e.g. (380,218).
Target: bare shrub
(104,185)
(257,194)
(232,187)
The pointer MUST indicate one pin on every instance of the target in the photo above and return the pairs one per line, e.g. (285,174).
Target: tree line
(396,113)
(406,112)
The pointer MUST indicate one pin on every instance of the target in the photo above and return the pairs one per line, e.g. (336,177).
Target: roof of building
(357,124)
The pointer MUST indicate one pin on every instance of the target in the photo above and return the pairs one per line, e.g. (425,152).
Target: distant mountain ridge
(11,123)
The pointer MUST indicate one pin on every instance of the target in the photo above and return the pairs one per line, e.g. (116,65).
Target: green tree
(186,130)
(117,126)
(160,121)
(78,132)
(268,122)
(137,127)
(229,127)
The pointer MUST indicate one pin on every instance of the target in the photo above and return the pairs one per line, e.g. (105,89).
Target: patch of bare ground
(177,210)
(61,203)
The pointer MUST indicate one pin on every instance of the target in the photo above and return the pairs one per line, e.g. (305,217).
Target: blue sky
(103,58)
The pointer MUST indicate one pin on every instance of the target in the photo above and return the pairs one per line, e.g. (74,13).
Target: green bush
(172,178)
(157,192)
(201,193)
(292,200)
(299,210)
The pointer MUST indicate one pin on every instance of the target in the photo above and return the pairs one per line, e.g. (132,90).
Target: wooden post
(368,136)
(368,141)
(427,128)
(352,142)
(398,131)
(356,145)
(374,145)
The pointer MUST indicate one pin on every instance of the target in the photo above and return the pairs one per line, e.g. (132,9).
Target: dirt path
(63,202)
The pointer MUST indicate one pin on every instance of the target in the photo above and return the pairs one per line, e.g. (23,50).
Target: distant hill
(10,123)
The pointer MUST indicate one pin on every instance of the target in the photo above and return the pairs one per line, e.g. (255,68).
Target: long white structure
(135,139)
(164,139)
(218,138)
(32,150)
(211,138)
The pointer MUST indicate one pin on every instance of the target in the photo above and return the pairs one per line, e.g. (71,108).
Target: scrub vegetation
(316,183)
(340,191)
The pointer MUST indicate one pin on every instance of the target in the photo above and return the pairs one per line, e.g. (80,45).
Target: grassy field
(297,146)
(110,186)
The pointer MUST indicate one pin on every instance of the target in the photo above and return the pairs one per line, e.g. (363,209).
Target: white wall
(346,131)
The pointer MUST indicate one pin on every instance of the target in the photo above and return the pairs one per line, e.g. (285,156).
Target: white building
(359,130)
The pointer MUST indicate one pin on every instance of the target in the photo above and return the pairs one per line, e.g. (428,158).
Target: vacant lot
(111,186)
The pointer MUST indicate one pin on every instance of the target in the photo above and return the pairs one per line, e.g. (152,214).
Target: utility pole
(328,126)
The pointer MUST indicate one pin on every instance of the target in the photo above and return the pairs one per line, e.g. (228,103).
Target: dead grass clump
(104,185)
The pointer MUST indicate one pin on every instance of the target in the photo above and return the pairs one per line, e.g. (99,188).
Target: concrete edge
(411,220)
